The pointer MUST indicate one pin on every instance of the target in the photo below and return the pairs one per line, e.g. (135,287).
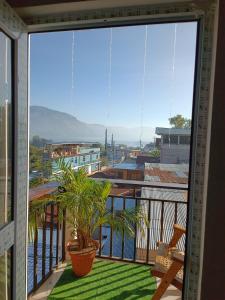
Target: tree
(35,158)
(179,121)
(187,123)
(39,142)
(155,153)
(37,163)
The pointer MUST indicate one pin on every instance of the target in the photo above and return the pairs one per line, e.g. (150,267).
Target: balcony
(122,267)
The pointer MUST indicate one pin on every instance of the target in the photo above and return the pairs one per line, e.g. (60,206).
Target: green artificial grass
(108,280)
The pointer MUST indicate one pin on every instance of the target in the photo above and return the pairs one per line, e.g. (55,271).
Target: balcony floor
(108,280)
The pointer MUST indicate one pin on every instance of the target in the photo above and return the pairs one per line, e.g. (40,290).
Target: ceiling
(26,3)
(36,8)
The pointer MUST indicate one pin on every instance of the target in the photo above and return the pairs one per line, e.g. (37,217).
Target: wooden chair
(169,264)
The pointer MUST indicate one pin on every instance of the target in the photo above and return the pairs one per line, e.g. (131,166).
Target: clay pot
(82,260)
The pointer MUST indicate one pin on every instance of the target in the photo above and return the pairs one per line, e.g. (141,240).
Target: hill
(62,127)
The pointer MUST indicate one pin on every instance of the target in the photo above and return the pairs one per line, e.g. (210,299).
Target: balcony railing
(161,214)
(48,248)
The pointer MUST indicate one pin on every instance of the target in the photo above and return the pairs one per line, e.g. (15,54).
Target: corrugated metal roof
(166,173)
(163,194)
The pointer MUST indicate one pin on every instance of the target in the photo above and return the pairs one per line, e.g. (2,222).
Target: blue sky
(165,92)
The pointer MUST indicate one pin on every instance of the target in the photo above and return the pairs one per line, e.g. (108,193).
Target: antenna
(112,148)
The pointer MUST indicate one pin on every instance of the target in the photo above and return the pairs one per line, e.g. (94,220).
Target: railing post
(43,246)
(162,216)
(35,254)
(135,234)
(64,235)
(175,217)
(57,237)
(148,231)
(100,240)
(51,237)
(124,207)
(111,230)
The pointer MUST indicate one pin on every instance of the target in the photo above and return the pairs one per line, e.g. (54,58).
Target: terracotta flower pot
(82,260)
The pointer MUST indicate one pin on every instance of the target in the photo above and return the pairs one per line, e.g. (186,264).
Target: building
(80,155)
(204,263)
(134,153)
(173,175)
(174,145)
(143,158)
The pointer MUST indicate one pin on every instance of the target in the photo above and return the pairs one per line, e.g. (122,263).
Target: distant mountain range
(62,127)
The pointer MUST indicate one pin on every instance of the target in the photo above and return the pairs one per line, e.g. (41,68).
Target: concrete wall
(174,154)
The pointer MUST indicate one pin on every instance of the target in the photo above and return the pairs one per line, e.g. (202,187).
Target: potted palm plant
(85,202)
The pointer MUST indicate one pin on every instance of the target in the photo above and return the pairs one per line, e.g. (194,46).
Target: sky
(125,76)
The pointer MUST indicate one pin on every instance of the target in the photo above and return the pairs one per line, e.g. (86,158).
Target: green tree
(179,121)
(35,158)
(39,142)
(155,153)
(187,123)
(37,163)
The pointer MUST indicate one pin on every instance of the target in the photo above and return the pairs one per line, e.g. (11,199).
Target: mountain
(62,127)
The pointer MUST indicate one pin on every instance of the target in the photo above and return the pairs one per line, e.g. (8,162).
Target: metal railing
(47,248)
(161,214)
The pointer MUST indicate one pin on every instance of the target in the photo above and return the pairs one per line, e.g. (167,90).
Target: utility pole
(112,148)
(106,139)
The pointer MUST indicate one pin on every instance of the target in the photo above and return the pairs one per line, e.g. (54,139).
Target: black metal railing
(47,249)
(161,214)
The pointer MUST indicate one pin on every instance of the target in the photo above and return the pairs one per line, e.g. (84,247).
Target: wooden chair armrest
(178,232)
(178,256)
(178,227)
(162,249)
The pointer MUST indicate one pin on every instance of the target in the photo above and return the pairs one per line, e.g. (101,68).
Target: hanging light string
(110,64)
(109,75)
(143,83)
(173,75)
(72,67)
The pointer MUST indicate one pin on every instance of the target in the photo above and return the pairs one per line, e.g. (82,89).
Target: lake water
(126,165)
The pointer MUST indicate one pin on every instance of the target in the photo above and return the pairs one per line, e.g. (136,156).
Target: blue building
(78,154)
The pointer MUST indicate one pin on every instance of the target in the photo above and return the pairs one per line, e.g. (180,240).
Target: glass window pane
(5,276)
(5,128)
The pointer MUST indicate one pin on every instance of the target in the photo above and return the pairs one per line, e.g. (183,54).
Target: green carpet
(108,280)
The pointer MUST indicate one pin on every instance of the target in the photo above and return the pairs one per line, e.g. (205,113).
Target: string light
(173,74)
(72,67)
(143,83)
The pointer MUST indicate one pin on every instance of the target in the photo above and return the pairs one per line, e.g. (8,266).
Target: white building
(175,145)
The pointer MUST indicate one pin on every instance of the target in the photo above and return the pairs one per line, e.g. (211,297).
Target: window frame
(207,17)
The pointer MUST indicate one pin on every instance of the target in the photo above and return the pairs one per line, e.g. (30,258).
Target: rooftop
(166,173)
(172,131)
